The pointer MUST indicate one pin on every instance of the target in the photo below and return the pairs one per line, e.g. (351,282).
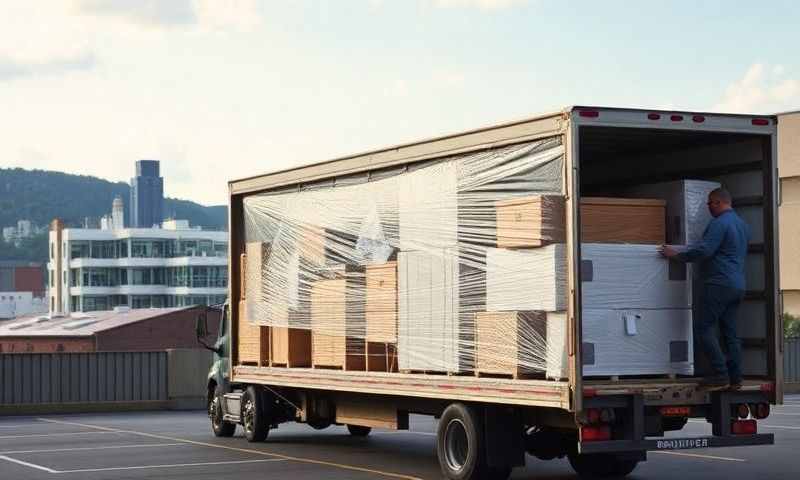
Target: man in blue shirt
(721,256)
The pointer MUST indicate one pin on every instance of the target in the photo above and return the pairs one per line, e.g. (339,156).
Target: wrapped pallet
(532,279)
(510,343)
(337,321)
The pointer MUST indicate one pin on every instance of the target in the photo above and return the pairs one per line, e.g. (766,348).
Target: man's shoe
(716,382)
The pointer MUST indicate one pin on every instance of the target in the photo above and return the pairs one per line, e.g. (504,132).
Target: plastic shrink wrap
(456,265)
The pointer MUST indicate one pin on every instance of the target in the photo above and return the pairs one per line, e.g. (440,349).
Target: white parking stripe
(55,434)
(26,464)
(171,465)
(112,447)
(697,455)
(407,432)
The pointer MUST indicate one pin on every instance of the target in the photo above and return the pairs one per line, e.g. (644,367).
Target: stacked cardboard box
(510,342)
(622,220)
(531,221)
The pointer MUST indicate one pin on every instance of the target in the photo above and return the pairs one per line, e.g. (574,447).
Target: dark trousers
(719,307)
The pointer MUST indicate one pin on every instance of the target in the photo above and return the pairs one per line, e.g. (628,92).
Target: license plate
(681,443)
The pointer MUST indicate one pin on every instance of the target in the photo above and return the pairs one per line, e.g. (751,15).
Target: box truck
(508,282)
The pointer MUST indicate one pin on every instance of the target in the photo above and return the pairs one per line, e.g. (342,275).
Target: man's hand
(668,251)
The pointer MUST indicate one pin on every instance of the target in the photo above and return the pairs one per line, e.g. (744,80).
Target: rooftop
(79,324)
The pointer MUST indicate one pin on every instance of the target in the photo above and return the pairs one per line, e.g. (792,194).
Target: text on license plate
(682,443)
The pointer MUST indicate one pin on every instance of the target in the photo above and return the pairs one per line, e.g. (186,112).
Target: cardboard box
(637,342)
(632,276)
(510,343)
(337,321)
(381,302)
(622,220)
(531,221)
(533,279)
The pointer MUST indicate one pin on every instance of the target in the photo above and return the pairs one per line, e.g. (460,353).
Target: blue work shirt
(722,251)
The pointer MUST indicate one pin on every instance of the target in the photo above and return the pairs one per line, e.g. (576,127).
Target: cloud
(761,90)
(480,4)
(13,68)
(206,14)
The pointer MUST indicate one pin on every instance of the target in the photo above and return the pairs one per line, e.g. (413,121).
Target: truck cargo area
(617,162)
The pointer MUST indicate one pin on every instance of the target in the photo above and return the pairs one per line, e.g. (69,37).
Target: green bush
(791,325)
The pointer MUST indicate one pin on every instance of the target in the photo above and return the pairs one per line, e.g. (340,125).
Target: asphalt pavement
(180,445)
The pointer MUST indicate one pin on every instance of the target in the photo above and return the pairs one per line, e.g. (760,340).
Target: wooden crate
(253,341)
(253,264)
(337,322)
(531,221)
(381,302)
(623,220)
(290,347)
(381,357)
(510,343)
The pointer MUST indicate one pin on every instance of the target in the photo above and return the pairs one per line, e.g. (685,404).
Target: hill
(40,196)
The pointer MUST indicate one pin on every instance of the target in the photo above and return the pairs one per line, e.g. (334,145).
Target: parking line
(169,465)
(406,432)
(27,435)
(697,455)
(77,449)
(26,464)
(245,450)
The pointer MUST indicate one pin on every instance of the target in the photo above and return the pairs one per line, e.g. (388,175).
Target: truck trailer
(506,281)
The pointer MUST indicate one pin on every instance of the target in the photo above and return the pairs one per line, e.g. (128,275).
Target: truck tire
(254,415)
(460,446)
(358,430)
(220,427)
(601,465)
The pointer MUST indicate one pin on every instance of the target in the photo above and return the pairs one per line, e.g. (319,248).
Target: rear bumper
(687,443)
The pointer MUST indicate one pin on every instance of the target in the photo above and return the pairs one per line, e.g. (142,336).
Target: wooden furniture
(510,343)
(531,221)
(623,220)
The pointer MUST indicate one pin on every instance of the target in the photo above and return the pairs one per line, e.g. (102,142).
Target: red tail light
(593,415)
(768,387)
(698,119)
(589,113)
(653,116)
(589,392)
(744,427)
(676,411)
(676,118)
(595,434)
(760,122)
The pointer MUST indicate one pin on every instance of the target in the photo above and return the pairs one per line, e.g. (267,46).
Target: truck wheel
(254,416)
(601,465)
(460,446)
(358,430)
(220,427)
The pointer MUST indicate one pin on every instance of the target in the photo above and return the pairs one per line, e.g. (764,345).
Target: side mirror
(201,326)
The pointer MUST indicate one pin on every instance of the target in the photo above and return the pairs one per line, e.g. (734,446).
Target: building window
(50,278)
(51,250)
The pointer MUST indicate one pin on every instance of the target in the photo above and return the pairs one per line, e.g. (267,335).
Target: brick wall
(46,345)
(29,279)
(173,330)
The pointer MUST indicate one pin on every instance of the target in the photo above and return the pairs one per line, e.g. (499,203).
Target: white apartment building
(93,269)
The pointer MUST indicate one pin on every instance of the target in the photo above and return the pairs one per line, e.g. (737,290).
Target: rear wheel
(358,430)
(220,427)
(460,446)
(254,416)
(602,465)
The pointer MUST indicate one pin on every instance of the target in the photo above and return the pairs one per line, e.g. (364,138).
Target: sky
(226,89)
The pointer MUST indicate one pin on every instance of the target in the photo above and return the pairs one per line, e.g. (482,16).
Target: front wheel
(601,465)
(358,430)
(254,416)
(219,426)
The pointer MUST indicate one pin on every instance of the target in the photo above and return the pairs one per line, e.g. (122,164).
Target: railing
(791,360)
(57,378)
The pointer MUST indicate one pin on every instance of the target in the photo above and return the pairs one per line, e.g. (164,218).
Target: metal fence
(791,360)
(31,378)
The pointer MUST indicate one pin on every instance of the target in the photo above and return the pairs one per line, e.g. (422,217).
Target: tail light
(698,119)
(676,118)
(676,411)
(595,434)
(653,116)
(760,122)
(588,113)
(744,427)
(760,411)
(594,416)
(742,410)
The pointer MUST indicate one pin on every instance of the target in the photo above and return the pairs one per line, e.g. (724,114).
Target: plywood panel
(530,221)
(510,343)
(381,302)
(290,347)
(337,321)
(618,220)
(789,145)
(249,338)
